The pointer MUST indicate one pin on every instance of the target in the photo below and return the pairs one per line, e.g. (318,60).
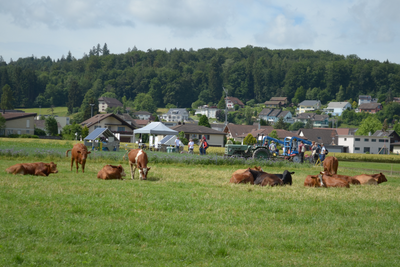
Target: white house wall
(362,144)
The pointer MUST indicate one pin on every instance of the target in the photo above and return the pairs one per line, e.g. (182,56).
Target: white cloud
(283,31)
(369,29)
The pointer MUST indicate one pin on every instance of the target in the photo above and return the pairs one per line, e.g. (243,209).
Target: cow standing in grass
(138,158)
(78,154)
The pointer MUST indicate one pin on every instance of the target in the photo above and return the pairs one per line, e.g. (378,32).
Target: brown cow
(321,180)
(331,165)
(38,168)
(78,154)
(347,178)
(111,172)
(263,178)
(373,179)
(138,158)
(243,170)
(242,178)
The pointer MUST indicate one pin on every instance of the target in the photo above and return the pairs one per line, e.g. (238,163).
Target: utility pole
(226,107)
(91,106)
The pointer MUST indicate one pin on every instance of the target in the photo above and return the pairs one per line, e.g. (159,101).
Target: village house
(394,137)
(336,108)
(210,112)
(309,105)
(365,99)
(235,131)
(142,115)
(108,102)
(369,107)
(175,115)
(195,132)
(320,121)
(121,128)
(365,144)
(232,101)
(273,115)
(18,123)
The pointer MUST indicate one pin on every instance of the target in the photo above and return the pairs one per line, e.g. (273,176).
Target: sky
(368,29)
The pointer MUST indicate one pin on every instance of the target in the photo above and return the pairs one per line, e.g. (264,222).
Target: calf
(347,178)
(331,165)
(286,177)
(78,154)
(243,170)
(263,178)
(366,179)
(111,172)
(321,180)
(38,168)
(138,158)
(242,177)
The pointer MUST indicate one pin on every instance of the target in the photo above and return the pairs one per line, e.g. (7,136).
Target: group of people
(318,150)
(203,145)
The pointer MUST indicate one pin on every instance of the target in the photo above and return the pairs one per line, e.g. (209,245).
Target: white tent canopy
(156,128)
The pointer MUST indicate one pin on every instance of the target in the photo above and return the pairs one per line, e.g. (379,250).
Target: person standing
(201,147)
(177,143)
(205,145)
(323,151)
(272,147)
(191,146)
(302,149)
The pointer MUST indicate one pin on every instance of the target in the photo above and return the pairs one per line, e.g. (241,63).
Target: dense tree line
(181,77)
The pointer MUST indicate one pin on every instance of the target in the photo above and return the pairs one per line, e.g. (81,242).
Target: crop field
(187,213)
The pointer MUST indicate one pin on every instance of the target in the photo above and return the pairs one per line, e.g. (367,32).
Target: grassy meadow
(189,214)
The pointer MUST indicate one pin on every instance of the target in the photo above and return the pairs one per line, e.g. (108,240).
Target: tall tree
(215,79)
(203,121)
(7,99)
(51,126)
(2,125)
(105,50)
(369,125)
(74,95)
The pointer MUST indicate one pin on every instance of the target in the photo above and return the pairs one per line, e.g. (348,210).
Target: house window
(357,149)
(9,131)
(381,140)
(27,131)
(19,132)
(366,149)
(97,126)
(357,139)
(373,140)
(345,139)
(121,129)
(366,140)
(2,132)
(27,123)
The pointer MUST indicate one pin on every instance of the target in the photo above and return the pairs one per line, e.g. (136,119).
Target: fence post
(391,169)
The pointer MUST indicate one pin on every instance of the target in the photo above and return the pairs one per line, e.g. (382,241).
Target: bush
(28,136)
(13,135)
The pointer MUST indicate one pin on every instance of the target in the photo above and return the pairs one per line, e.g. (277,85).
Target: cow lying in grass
(240,176)
(373,179)
(322,180)
(38,168)
(263,178)
(286,177)
(111,172)
(347,178)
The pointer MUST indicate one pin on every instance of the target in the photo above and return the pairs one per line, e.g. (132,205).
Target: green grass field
(191,215)
(59,111)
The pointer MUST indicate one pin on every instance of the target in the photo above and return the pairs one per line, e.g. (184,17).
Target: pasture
(188,214)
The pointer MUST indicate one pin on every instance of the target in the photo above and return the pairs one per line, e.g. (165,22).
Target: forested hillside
(181,77)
